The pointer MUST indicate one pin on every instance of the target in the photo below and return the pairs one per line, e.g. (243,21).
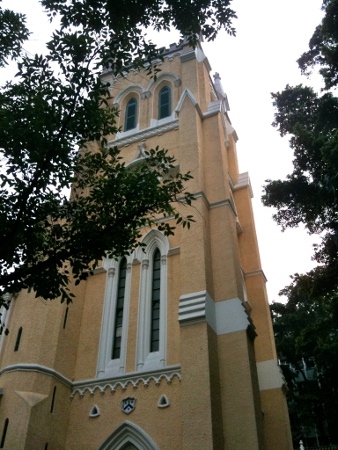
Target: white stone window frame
(173,81)
(146,360)
(106,366)
(5,314)
(119,102)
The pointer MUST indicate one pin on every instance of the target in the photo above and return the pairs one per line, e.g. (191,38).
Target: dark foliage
(58,104)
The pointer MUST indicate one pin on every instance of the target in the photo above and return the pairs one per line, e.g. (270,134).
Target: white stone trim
(91,385)
(128,433)
(165,120)
(145,359)
(122,382)
(187,93)
(39,369)
(106,366)
(218,204)
(243,182)
(187,55)
(227,316)
(134,88)
(125,134)
(163,76)
(5,314)
(255,273)
(270,375)
(163,402)
(94,411)
(144,134)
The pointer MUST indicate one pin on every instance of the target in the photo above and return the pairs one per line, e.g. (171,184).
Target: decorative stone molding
(91,385)
(225,202)
(134,88)
(133,378)
(145,95)
(227,316)
(256,273)
(37,368)
(144,134)
(187,55)
(94,412)
(213,108)
(128,435)
(270,376)
(163,402)
(192,307)
(140,155)
(165,76)
(174,251)
(243,182)
(187,94)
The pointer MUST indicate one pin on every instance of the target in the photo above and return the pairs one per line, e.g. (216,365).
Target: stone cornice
(37,368)
(133,378)
(90,385)
(218,204)
(227,316)
(144,134)
(255,273)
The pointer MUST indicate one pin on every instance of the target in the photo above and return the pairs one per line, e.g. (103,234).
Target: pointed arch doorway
(128,436)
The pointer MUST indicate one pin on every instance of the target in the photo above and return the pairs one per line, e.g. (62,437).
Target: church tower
(170,348)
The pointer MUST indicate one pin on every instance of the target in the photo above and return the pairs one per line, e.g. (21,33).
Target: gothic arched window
(130,120)
(152,312)
(164,102)
(115,316)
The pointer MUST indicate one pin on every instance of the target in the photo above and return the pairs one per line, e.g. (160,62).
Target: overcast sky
(271,35)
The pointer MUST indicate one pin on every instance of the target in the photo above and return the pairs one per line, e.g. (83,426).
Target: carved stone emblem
(128,405)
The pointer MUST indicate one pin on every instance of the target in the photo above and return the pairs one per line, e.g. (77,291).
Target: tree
(309,195)
(305,327)
(57,105)
(13,32)
(306,334)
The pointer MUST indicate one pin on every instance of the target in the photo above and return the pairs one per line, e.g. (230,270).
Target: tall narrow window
(131,115)
(151,341)
(116,349)
(53,400)
(155,303)
(115,318)
(18,339)
(65,318)
(164,103)
(4,432)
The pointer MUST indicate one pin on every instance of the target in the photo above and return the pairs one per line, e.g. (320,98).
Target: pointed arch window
(152,312)
(115,316)
(164,102)
(130,119)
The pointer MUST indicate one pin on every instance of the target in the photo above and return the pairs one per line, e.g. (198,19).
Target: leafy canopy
(309,195)
(58,104)
(306,334)
(305,327)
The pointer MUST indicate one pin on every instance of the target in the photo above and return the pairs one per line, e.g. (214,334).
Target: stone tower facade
(170,348)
